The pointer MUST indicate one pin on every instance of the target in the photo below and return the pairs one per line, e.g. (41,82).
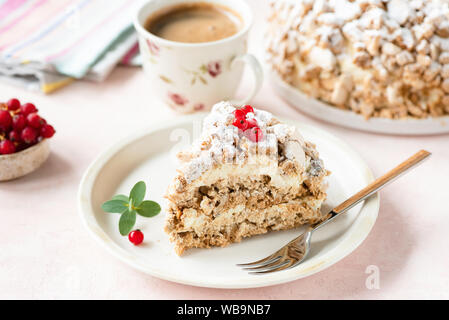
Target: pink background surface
(46,253)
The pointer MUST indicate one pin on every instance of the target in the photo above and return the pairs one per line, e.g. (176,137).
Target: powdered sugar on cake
(223,143)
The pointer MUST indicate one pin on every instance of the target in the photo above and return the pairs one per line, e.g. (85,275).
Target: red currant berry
(247,109)
(19,122)
(20,146)
(28,108)
(13,104)
(29,135)
(34,120)
(135,237)
(239,114)
(5,120)
(7,147)
(47,131)
(14,136)
(251,123)
(254,134)
(241,123)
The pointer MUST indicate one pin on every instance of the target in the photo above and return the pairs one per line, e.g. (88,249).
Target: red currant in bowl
(24,138)
(14,136)
(7,147)
(29,135)
(28,108)
(35,121)
(19,122)
(13,104)
(5,120)
(47,131)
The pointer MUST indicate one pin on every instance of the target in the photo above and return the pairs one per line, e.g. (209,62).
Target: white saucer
(147,156)
(323,111)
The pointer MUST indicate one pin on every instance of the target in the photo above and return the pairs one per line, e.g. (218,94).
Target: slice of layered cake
(247,174)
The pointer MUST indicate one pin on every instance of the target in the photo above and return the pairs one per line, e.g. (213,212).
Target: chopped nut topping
(394,54)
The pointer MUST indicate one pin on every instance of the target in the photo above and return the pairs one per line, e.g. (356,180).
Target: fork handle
(377,184)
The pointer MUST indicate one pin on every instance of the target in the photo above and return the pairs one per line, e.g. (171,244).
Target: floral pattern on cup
(180,103)
(153,48)
(178,99)
(213,68)
(165,79)
(199,107)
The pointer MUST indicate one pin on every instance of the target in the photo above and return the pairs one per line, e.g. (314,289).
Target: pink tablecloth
(46,253)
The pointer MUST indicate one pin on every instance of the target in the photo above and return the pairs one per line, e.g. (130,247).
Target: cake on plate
(247,174)
(378,58)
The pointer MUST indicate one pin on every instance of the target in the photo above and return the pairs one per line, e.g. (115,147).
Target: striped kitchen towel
(46,44)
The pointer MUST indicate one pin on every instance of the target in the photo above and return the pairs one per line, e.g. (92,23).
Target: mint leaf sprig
(130,207)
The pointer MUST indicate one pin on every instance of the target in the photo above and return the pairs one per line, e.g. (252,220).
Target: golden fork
(294,252)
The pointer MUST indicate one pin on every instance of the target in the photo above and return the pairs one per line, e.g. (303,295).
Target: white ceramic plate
(148,156)
(320,110)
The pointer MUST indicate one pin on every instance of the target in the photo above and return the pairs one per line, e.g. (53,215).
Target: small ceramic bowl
(18,164)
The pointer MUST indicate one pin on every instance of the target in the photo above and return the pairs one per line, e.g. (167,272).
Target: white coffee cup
(192,77)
